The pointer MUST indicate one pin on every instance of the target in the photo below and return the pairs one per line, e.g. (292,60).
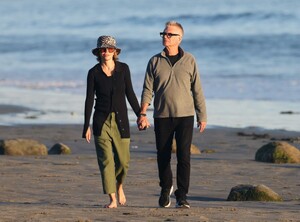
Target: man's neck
(172,51)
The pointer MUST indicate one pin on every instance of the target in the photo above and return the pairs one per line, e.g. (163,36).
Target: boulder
(59,148)
(194,149)
(17,147)
(253,193)
(208,151)
(278,152)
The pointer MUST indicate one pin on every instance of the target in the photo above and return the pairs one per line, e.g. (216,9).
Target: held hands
(142,122)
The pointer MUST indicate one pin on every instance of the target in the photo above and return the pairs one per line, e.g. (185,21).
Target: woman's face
(107,53)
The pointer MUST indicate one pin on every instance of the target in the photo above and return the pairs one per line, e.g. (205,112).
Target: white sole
(183,206)
(171,190)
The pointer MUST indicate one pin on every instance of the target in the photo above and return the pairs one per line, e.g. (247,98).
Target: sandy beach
(68,187)
(247,53)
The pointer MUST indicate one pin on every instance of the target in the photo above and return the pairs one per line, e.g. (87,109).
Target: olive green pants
(113,155)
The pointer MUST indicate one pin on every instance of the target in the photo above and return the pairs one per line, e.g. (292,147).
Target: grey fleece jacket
(176,89)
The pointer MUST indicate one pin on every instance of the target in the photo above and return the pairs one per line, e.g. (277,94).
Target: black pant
(165,128)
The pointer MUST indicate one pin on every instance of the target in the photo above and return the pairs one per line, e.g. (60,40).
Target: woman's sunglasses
(110,50)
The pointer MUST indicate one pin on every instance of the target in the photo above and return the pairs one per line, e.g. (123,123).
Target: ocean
(248,53)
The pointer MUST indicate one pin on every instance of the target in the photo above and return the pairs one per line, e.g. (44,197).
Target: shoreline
(17,115)
(12,109)
(68,187)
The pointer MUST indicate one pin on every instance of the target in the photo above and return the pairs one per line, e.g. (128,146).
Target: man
(172,77)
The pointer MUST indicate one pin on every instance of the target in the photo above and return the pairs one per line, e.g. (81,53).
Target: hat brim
(96,51)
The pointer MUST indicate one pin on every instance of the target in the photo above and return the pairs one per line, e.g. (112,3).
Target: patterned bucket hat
(105,42)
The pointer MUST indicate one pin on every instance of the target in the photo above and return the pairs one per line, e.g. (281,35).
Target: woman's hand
(143,123)
(88,135)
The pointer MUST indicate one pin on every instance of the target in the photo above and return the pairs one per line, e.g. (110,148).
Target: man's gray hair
(174,23)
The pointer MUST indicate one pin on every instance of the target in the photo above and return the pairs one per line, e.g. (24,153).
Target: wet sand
(68,187)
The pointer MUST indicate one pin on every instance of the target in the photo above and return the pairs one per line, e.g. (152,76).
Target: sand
(68,187)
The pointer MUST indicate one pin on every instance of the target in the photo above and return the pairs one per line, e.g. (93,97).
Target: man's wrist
(142,114)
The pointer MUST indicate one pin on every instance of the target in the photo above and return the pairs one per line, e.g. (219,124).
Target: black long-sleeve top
(111,93)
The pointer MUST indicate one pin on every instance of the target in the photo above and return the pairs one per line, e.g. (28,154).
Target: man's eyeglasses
(110,50)
(169,35)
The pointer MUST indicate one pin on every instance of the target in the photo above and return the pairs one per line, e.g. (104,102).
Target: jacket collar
(180,51)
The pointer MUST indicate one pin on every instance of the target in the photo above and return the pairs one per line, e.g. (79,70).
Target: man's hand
(201,126)
(143,122)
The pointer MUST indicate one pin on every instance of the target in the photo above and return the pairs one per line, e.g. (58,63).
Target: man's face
(172,41)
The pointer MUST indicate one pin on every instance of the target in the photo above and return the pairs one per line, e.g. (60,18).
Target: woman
(110,82)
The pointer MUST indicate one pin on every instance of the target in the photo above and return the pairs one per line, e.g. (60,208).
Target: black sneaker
(164,199)
(182,204)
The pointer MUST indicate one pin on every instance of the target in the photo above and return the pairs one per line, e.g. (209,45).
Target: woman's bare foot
(113,201)
(121,195)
